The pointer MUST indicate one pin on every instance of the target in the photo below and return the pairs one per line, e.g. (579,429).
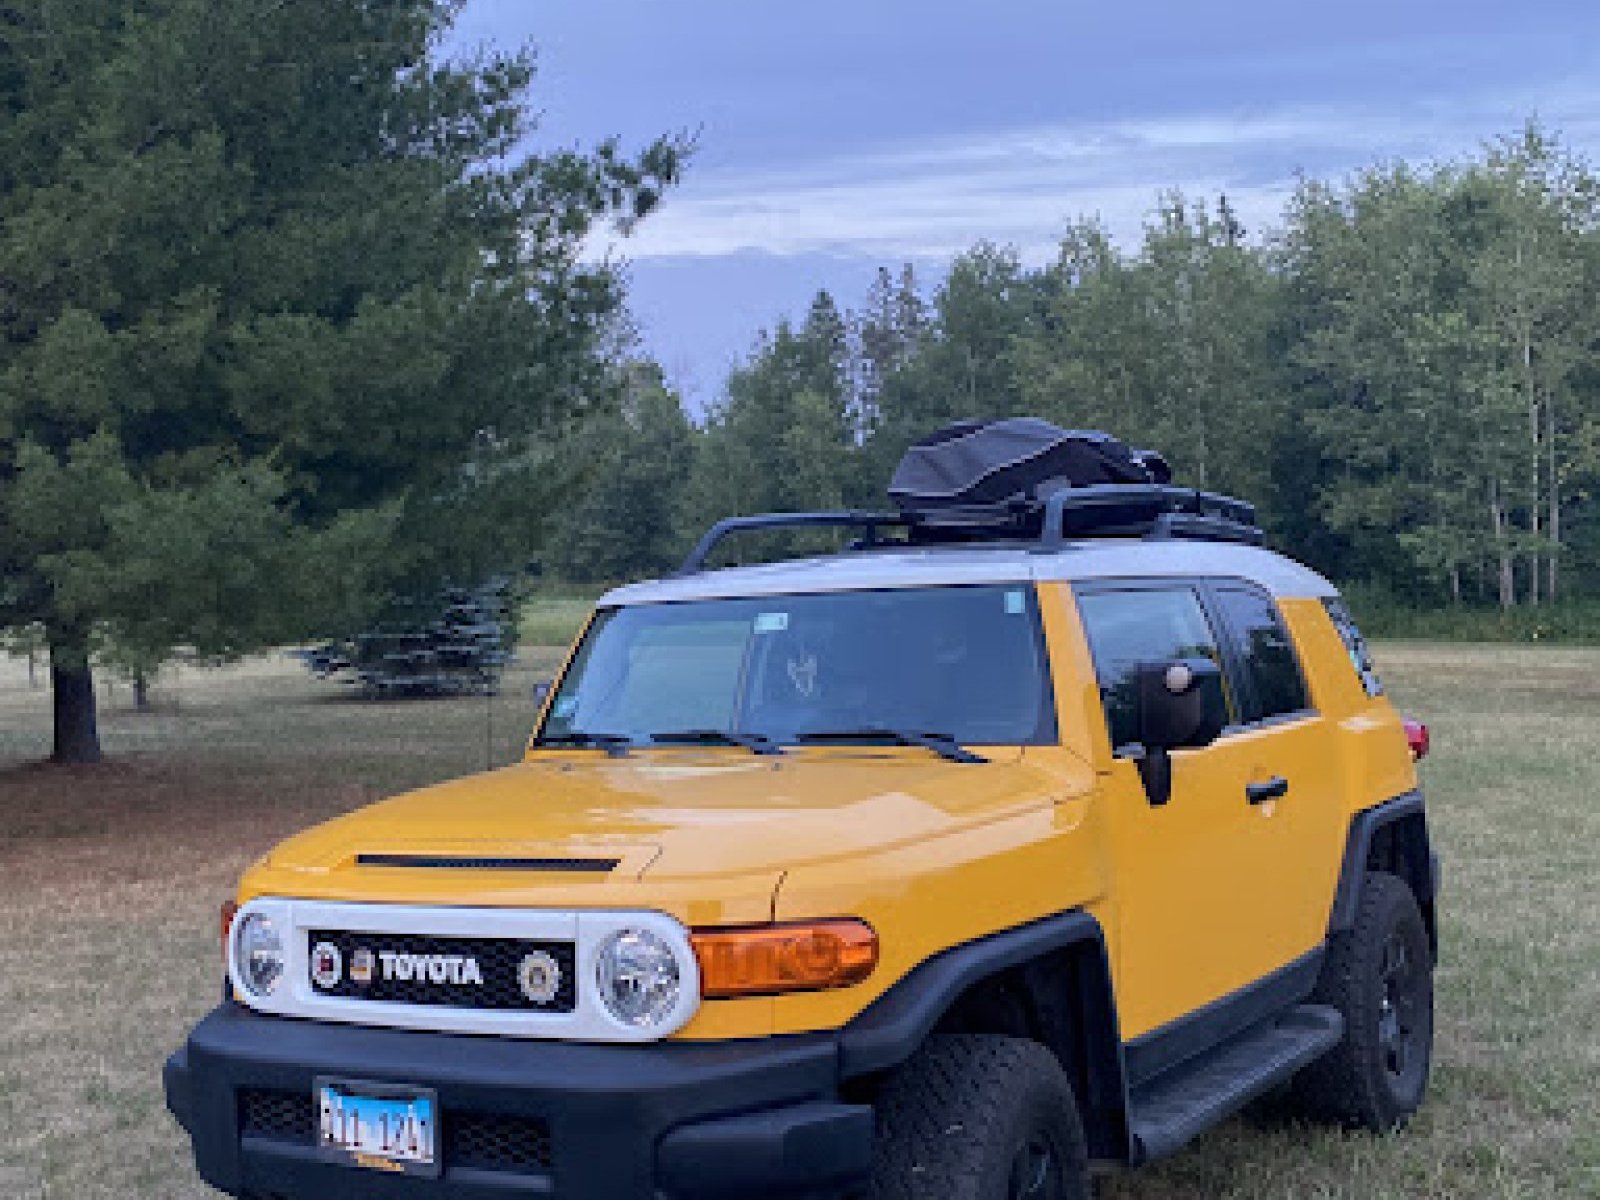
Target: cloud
(933,198)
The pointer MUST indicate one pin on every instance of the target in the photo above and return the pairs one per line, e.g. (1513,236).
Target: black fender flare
(1392,835)
(891,1029)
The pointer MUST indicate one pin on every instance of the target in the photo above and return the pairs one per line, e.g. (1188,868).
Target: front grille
(499,961)
(497,1142)
(483,1141)
(278,1116)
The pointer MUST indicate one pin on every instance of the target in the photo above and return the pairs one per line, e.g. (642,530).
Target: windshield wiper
(614,744)
(756,743)
(940,743)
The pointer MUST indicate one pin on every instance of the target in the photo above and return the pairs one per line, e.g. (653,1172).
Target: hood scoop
(478,862)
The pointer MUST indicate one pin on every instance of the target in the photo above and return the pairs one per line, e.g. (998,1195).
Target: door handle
(1260,793)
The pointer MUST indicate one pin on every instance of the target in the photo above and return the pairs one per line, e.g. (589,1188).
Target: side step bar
(1173,1108)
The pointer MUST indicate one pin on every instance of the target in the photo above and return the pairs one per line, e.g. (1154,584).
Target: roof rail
(868,522)
(1143,510)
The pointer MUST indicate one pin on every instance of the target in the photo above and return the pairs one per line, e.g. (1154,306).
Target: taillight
(229,910)
(1417,738)
(769,959)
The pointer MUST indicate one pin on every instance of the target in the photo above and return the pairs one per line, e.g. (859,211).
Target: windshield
(963,662)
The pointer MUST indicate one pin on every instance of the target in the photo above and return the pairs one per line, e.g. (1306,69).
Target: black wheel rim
(1402,1011)
(1036,1172)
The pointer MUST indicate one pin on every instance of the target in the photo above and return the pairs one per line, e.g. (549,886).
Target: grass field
(555,615)
(110,879)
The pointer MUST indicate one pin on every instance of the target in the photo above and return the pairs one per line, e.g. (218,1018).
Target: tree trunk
(1553,483)
(141,692)
(1508,575)
(77,735)
(1531,392)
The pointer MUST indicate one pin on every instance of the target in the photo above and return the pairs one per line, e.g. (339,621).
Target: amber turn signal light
(764,960)
(229,911)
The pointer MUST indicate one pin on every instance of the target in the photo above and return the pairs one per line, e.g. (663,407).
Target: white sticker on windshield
(565,707)
(1016,603)
(772,622)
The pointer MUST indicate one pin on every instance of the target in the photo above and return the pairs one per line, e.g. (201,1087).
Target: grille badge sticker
(540,977)
(327,965)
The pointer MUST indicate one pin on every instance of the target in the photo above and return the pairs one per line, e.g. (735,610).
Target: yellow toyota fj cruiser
(1045,825)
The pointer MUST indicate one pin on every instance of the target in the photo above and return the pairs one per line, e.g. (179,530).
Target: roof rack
(1152,511)
(1156,511)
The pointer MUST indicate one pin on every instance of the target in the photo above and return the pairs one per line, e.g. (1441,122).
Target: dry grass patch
(110,879)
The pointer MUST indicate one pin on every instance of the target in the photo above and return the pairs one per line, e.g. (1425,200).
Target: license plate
(379,1126)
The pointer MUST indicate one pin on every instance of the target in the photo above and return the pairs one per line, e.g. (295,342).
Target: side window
(1127,628)
(1268,653)
(1355,645)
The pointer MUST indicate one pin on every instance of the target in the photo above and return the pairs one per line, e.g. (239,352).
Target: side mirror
(1181,706)
(541,692)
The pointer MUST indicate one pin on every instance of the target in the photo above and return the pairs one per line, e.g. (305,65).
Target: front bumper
(674,1120)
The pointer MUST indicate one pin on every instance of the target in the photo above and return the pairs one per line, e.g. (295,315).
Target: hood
(597,828)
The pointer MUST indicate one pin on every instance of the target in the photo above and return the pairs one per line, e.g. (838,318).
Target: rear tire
(1379,975)
(979,1117)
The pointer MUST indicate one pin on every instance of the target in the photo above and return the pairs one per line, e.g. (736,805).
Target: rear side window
(1354,644)
(1127,628)
(1267,653)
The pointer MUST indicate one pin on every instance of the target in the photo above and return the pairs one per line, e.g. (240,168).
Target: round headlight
(639,978)
(258,954)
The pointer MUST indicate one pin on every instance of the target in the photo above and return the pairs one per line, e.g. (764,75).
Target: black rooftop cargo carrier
(1019,459)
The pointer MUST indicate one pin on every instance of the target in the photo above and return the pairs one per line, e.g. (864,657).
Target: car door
(1197,881)
(1295,775)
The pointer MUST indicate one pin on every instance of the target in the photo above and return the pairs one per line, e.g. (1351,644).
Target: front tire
(1379,975)
(979,1117)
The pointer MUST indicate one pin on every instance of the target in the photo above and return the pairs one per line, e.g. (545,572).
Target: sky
(835,136)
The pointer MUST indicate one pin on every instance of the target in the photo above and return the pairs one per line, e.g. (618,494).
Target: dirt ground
(110,879)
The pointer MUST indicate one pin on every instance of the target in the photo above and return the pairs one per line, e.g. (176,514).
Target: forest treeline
(1403,373)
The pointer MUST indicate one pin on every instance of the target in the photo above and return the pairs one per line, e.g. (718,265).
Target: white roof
(928,566)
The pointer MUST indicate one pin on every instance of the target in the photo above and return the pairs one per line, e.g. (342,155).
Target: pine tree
(782,437)
(279,289)
(627,523)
